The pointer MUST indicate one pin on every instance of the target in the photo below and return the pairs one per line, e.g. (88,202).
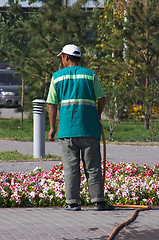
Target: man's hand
(51,135)
(52,118)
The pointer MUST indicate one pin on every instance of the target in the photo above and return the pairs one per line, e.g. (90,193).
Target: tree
(142,54)
(126,54)
(108,61)
(32,39)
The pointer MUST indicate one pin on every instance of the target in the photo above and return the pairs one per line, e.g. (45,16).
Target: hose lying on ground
(138,207)
(131,219)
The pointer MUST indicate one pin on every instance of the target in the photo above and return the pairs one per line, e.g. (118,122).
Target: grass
(129,131)
(126,131)
(12,129)
(16,156)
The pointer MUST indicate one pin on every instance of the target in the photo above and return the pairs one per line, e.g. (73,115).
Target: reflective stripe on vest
(78,76)
(78,102)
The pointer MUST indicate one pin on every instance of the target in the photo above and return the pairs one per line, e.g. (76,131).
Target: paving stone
(55,223)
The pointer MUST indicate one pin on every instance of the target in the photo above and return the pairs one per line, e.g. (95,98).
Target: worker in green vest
(76,89)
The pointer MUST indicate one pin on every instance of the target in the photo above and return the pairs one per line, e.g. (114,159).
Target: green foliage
(121,41)
(109,63)
(142,55)
(32,39)
(126,57)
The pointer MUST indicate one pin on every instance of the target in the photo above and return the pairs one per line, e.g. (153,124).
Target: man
(76,90)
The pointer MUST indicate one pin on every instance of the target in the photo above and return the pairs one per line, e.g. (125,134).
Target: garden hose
(131,219)
(104,154)
(138,207)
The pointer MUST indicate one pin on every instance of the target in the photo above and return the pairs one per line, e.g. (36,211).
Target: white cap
(71,49)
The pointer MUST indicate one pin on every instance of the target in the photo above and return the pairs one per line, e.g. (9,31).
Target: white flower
(36,169)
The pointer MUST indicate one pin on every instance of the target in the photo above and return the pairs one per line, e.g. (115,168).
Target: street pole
(39,128)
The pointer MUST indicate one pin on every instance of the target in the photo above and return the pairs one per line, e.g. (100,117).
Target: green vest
(78,113)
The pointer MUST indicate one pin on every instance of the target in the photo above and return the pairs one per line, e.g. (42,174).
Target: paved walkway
(55,223)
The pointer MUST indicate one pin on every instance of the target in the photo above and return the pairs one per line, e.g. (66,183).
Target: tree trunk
(147,118)
(147,112)
(66,1)
(22,101)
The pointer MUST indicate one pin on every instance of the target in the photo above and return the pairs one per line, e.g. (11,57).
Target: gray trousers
(87,149)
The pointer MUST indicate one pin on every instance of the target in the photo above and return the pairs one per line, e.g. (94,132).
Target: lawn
(16,156)
(12,129)
(126,131)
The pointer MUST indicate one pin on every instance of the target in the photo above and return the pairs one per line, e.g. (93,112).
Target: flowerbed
(124,184)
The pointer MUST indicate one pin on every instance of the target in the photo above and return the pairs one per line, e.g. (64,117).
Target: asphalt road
(11,113)
(141,155)
(148,155)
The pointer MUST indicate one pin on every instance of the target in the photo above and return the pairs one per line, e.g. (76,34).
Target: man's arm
(101,105)
(52,118)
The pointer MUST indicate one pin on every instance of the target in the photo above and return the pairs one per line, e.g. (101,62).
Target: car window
(9,79)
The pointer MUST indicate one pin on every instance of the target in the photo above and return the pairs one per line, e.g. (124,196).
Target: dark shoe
(103,206)
(72,207)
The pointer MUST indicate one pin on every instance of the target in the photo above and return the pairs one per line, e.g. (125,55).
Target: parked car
(10,86)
